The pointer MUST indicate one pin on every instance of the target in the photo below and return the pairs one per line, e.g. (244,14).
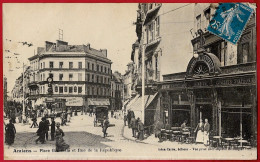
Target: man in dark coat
(10,132)
(47,124)
(41,131)
(34,119)
(140,130)
(133,126)
(128,119)
(52,129)
(105,125)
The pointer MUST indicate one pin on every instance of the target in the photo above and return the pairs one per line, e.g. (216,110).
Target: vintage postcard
(129,81)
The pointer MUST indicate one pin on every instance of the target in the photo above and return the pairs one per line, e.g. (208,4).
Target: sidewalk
(127,133)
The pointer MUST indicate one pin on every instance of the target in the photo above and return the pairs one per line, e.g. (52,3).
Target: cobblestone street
(88,142)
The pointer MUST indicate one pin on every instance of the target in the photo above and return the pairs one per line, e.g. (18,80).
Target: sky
(104,26)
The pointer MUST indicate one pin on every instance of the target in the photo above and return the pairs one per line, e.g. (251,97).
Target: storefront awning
(131,102)
(137,105)
(94,102)
(151,14)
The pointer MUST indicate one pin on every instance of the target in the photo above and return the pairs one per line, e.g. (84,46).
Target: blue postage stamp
(230,20)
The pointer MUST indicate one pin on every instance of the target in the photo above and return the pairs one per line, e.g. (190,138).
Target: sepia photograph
(129,81)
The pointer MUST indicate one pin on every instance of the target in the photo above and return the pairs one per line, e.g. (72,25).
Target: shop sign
(202,58)
(74,101)
(235,81)
(174,85)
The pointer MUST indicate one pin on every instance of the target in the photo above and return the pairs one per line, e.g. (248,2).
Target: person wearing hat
(10,132)
(105,125)
(60,143)
(41,131)
(52,129)
(140,129)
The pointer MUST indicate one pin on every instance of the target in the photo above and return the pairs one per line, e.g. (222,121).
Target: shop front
(226,96)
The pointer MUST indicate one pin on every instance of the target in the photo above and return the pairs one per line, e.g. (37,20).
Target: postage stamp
(230,20)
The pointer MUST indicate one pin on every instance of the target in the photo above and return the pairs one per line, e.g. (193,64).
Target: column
(215,114)
(254,112)
(191,98)
(159,109)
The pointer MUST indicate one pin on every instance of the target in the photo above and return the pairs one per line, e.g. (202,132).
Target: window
(198,22)
(93,91)
(60,77)
(43,76)
(97,91)
(97,67)
(105,70)
(80,65)
(156,67)
(93,78)
(75,89)
(101,69)
(92,67)
(70,77)
(51,64)
(105,80)
(56,88)
(43,89)
(43,65)
(157,20)
(150,6)
(88,92)
(60,65)
(88,77)
(245,52)
(151,32)
(65,89)
(70,65)
(50,75)
(207,16)
(79,77)
(79,89)
(70,89)
(223,53)
(88,65)
(97,79)
(61,89)
(101,79)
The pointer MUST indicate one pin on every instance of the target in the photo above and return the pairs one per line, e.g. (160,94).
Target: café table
(218,139)
(229,141)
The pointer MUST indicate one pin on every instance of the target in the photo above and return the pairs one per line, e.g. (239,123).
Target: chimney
(104,51)
(48,45)
(60,42)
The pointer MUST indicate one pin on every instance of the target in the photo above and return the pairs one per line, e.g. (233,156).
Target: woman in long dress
(199,129)
(10,132)
(60,143)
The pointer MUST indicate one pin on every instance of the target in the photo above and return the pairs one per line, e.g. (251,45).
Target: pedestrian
(128,119)
(10,132)
(34,120)
(105,125)
(125,119)
(68,115)
(206,132)
(133,126)
(157,130)
(47,125)
(52,129)
(140,130)
(60,143)
(183,126)
(199,129)
(76,111)
(41,132)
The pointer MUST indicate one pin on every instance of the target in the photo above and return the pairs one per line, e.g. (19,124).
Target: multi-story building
(17,91)
(81,75)
(116,91)
(219,83)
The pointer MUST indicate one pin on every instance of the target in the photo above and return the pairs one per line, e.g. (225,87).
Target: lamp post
(23,114)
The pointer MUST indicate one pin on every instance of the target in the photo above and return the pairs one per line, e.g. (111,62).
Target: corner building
(81,75)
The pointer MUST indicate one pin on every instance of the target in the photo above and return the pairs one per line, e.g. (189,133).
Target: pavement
(87,142)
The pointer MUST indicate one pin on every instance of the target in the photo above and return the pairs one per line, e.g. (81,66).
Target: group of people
(202,130)
(57,133)
(135,124)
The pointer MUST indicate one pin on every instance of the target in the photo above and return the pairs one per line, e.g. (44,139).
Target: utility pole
(143,72)
(23,115)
